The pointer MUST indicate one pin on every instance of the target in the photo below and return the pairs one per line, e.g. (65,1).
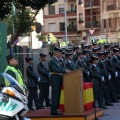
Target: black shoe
(103,107)
(108,104)
(31,109)
(115,101)
(57,113)
(48,105)
(41,107)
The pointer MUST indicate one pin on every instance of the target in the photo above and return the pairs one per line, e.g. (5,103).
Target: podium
(73,93)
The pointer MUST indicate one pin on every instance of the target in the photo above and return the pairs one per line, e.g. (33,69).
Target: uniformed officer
(98,80)
(33,80)
(114,75)
(69,65)
(13,70)
(44,82)
(80,64)
(116,64)
(76,49)
(107,76)
(56,79)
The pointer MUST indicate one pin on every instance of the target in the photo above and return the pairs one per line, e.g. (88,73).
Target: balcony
(87,4)
(96,24)
(80,21)
(72,28)
(71,11)
(113,7)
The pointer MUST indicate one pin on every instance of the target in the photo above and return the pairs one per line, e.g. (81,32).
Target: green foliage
(40,37)
(52,39)
(6,5)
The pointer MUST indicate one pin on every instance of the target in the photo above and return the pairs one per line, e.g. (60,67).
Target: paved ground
(112,113)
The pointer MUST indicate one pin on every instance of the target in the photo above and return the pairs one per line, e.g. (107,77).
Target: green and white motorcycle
(13,100)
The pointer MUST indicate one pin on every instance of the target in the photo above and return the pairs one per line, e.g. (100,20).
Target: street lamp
(66,33)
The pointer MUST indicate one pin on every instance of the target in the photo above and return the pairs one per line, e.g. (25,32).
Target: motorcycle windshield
(11,82)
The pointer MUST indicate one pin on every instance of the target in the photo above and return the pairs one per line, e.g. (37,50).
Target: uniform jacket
(74,59)
(109,66)
(116,63)
(69,65)
(81,64)
(103,69)
(43,72)
(96,74)
(54,66)
(32,76)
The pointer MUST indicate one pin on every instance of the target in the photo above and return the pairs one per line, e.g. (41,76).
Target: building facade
(110,18)
(78,19)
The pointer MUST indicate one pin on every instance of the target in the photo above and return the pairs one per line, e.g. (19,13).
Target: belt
(55,73)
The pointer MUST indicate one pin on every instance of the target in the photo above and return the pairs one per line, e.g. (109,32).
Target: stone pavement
(112,113)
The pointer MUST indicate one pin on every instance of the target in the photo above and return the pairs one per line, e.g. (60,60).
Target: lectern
(73,93)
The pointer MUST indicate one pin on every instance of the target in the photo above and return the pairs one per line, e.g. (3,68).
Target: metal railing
(71,11)
(87,4)
(96,24)
(113,7)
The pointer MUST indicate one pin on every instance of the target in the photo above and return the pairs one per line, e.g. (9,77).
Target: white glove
(38,79)
(109,77)
(88,73)
(116,74)
(102,79)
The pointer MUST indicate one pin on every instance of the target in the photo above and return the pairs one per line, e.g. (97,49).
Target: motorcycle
(13,100)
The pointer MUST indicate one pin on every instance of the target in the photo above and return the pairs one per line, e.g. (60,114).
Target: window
(104,23)
(81,16)
(61,8)
(51,10)
(62,26)
(52,27)
(72,24)
(80,1)
(72,7)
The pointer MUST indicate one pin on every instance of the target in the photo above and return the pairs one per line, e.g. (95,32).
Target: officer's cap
(116,46)
(115,50)
(10,56)
(95,49)
(63,52)
(75,47)
(69,50)
(58,49)
(112,47)
(79,53)
(85,51)
(107,52)
(93,58)
(87,46)
(101,53)
(107,46)
(68,54)
(42,55)
(28,59)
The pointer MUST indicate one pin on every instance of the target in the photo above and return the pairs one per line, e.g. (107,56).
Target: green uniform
(56,81)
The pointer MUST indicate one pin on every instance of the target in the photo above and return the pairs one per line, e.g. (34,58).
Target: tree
(22,5)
